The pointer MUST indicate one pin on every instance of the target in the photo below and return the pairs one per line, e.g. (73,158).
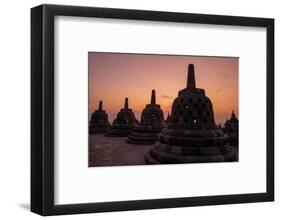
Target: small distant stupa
(99,121)
(168,119)
(151,123)
(123,123)
(191,135)
(231,129)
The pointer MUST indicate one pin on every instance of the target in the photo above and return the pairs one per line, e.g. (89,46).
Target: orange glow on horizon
(114,76)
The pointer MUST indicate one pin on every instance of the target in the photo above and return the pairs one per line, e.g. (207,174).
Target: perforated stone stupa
(99,121)
(123,123)
(191,135)
(151,123)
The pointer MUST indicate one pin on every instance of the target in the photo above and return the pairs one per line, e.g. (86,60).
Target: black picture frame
(42,109)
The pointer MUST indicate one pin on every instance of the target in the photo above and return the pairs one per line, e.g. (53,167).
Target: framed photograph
(136,109)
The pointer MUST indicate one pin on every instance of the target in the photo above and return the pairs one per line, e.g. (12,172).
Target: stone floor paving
(115,151)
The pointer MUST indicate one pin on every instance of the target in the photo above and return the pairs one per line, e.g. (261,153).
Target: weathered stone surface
(99,121)
(123,123)
(191,135)
(151,124)
(112,151)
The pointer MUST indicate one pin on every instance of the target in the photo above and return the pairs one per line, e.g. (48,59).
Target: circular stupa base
(143,134)
(150,160)
(118,133)
(98,130)
(227,154)
(191,146)
(147,139)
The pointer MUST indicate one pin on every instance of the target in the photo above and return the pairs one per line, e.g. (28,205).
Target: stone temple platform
(115,151)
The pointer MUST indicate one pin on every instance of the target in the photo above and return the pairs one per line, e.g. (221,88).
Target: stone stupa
(168,119)
(99,121)
(123,123)
(231,129)
(151,124)
(191,136)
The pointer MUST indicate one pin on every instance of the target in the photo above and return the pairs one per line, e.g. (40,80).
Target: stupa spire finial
(153,97)
(126,105)
(100,105)
(233,114)
(191,77)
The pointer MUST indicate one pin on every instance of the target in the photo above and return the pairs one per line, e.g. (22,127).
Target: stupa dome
(151,123)
(192,108)
(123,123)
(99,121)
(231,128)
(191,134)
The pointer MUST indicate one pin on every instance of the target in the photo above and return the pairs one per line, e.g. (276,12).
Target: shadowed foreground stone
(124,122)
(152,119)
(191,135)
(99,121)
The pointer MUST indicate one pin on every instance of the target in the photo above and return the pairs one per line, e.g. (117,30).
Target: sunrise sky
(114,76)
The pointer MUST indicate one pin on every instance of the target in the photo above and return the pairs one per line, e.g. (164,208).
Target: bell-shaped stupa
(191,135)
(99,121)
(168,119)
(151,124)
(231,129)
(123,123)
